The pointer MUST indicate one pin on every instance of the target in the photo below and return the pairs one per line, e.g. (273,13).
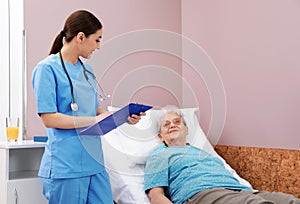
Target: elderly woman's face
(173,129)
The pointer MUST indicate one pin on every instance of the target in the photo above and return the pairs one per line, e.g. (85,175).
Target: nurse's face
(91,43)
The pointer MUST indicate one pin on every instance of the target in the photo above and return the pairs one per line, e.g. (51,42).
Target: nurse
(72,169)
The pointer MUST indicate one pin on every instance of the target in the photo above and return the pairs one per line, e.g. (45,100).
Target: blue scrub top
(67,155)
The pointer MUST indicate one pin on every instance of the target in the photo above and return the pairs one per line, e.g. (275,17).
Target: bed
(127,147)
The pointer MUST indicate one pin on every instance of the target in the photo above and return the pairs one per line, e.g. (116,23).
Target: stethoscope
(74,105)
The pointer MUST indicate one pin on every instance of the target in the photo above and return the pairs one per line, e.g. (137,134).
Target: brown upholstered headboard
(265,168)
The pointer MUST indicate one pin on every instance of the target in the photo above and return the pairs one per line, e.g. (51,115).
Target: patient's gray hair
(169,110)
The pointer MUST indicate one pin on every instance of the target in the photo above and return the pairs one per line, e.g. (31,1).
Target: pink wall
(44,20)
(255,46)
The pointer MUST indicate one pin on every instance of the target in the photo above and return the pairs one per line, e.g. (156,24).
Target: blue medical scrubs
(68,155)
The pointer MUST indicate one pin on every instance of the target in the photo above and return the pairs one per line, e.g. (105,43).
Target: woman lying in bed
(177,172)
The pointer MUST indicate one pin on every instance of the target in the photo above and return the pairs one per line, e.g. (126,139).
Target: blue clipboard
(114,120)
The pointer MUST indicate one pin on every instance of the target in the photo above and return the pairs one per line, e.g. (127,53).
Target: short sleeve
(44,86)
(156,172)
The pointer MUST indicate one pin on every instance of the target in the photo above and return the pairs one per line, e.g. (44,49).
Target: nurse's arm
(100,110)
(63,121)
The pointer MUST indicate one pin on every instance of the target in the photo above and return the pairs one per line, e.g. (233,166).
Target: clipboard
(114,120)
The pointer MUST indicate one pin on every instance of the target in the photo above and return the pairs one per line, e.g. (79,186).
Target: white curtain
(12,62)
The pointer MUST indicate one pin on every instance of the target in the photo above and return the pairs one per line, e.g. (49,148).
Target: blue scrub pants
(94,189)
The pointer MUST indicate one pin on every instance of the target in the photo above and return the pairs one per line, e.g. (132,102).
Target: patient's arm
(157,196)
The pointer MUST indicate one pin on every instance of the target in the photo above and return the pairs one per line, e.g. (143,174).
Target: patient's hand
(134,119)
(156,195)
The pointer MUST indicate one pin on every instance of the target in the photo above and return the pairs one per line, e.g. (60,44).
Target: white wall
(12,66)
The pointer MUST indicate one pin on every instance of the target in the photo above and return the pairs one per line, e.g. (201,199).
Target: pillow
(127,148)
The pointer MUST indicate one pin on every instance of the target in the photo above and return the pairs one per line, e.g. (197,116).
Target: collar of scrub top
(74,105)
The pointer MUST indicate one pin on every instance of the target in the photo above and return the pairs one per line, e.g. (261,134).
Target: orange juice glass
(12,128)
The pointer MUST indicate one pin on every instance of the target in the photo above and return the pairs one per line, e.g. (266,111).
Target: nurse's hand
(134,119)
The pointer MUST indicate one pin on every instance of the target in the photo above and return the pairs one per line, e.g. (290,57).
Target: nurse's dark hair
(79,21)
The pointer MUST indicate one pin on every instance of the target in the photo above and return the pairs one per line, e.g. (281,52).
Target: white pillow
(127,147)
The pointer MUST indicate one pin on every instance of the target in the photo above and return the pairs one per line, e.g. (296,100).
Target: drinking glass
(12,128)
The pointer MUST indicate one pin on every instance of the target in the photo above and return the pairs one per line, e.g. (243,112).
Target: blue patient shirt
(67,155)
(185,171)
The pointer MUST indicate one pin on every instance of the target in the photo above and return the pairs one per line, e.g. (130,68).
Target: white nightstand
(19,165)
